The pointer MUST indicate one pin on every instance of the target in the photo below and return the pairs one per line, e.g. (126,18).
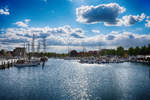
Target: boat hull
(25,65)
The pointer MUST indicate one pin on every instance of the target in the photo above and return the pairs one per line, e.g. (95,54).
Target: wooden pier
(7,63)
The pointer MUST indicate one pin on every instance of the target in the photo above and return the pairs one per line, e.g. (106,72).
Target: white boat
(27,64)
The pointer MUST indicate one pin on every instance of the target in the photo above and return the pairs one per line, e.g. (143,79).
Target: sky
(78,23)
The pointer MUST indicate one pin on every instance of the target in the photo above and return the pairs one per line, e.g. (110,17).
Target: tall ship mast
(28,47)
(33,40)
(44,45)
(84,49)
(25,45)
(99,51)
(38,48)
(68,47)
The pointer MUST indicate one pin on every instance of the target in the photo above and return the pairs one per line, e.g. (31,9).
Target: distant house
(8,54)
(19,52)
(94,53)
(89,53)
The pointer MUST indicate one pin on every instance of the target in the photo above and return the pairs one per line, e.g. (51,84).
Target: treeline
(120,51)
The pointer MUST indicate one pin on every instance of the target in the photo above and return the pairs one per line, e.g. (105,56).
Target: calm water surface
(70,80)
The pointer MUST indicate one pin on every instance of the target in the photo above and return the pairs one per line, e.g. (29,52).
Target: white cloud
(147,21)
(77,1)
(107,13)
(27,20)
(114,32)
(23,23)
(132,19)
(55,36)
(4,11)
(96,31)
(62,36)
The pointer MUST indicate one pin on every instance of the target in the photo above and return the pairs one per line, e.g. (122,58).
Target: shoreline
(7,63)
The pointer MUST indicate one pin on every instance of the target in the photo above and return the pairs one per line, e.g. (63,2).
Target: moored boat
(23,63)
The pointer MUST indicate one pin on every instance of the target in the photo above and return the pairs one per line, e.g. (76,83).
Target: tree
(120,51)
(113,52)
(73,53)
(137,50)
(110,52)
(143,50)
(2,52)
(148,49)
(131,51)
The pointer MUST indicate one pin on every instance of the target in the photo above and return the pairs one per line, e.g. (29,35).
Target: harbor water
(70,80)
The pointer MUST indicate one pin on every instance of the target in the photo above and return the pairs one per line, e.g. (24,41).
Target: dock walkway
(7,63)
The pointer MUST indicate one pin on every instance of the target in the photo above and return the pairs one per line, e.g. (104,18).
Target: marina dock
(7,63)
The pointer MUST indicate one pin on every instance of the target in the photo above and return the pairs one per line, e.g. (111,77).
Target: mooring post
(11,63)
(4,64)
(7,65)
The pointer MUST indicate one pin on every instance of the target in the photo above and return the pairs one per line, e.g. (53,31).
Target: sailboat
(29,62)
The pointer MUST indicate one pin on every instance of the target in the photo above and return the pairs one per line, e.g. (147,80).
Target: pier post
(4,65)
(8,64)
(11,63)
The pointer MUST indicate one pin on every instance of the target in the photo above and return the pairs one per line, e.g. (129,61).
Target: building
(19,52)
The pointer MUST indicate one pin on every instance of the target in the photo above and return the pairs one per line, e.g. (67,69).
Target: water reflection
(149,73)
(77,85)
(70,80)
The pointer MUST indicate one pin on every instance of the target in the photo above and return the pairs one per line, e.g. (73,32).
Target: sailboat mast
(33,40)
(28,47)
(38,48)
(44,44)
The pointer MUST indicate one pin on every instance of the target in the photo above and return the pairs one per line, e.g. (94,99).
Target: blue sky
(80,22)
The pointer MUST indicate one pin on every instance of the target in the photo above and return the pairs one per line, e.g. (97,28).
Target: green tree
(143,50)
(120,51)
(2,52)
(137,50)
(111,52)
(131,51)
(148,49)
